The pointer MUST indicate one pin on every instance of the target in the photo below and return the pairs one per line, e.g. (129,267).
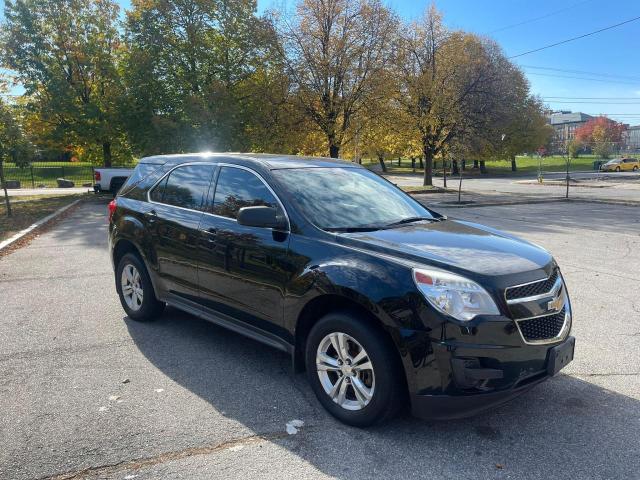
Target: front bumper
(460,403)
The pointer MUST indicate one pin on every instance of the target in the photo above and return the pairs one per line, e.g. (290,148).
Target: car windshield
(348,198)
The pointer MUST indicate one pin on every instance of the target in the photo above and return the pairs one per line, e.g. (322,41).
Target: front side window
(343,198)
(184,187)
(237,188)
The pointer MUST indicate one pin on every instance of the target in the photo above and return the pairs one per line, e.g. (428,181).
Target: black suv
(380,299)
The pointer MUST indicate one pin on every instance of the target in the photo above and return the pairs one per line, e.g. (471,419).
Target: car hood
(463,245)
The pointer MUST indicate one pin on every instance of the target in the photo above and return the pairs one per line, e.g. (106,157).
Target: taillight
(97,176)
(112,208)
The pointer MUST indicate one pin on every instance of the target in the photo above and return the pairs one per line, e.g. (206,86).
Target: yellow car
(621,165)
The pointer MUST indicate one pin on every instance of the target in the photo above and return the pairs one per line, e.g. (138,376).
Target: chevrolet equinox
(381,300)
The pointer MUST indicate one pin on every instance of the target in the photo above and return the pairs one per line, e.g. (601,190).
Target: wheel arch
(123,246)
(322,305)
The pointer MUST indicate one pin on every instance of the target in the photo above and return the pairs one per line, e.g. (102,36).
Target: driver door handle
(151,216)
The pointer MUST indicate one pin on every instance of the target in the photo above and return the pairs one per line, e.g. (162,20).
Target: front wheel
(353,370)
(635,169)
(135,289)
(617,169)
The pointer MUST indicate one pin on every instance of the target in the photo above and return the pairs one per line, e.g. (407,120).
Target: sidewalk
(23,192)
(510,190)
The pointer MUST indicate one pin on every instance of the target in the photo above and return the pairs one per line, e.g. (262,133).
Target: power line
(595,98)
(582,72)
(596,103)
(583,78)
(576,38)
(531,20)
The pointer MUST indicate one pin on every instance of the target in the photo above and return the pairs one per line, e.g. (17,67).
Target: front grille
(542,328)
(531,289)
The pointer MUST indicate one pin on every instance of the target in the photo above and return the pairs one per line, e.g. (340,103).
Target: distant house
(564,124)
(631,139)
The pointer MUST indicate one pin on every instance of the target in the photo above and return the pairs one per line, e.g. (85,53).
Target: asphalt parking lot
(87,393)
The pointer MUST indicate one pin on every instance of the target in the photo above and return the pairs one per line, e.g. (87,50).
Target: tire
(635,169)
(382,388)
(149,308)
(617,169)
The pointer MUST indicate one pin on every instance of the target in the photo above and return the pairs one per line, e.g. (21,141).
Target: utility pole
(566,152)
(444,171)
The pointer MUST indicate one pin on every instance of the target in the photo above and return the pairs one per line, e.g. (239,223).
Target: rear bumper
(461,403)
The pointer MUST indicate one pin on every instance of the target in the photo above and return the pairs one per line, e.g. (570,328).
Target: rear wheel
(135,289)
(353,370)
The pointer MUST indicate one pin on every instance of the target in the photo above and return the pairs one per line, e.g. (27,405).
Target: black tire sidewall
(388,388)
(150,305)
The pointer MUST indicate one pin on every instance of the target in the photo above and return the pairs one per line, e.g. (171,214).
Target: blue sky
(612,54)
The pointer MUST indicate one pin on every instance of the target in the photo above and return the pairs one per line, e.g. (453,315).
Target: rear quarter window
(143,177)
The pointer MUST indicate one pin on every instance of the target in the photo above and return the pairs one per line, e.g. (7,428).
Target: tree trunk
(399,158)
(454,168)
(428,168)
(464,164)
(475,164)
(4,187)
(413,164)
(421,163)
(382,164)
(334,150)
(513,163)
(106,154)
(483,168)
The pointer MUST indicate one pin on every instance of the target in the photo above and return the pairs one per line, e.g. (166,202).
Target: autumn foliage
(601,134)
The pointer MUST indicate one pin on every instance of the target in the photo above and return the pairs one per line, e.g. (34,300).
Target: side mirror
(262,216)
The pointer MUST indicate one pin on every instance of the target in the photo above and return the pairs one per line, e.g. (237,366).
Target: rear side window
(184,187)
(237,188)
(144,175)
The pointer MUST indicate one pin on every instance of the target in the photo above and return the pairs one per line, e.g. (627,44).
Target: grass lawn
(29,210)
(525,164)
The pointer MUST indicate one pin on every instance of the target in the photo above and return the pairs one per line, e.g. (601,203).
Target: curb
(5,243)
(498,204)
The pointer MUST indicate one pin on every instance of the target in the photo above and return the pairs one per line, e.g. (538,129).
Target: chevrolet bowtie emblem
(556,304)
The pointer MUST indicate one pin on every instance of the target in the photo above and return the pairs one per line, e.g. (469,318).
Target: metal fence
(38,175)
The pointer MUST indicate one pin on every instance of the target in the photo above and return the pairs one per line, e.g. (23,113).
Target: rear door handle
(211,235)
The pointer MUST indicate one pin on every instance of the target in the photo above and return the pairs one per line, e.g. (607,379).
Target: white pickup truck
(110,179)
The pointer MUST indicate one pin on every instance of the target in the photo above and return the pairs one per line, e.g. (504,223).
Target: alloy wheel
(345,371)
(131,284)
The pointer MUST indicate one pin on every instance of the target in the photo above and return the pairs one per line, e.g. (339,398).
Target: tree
(602,134)
(520,126)
(450,83)
(14,145)
(65,53)
(335,52)
(193,70)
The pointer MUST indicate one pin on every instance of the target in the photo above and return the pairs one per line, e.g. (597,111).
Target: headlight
(454,295)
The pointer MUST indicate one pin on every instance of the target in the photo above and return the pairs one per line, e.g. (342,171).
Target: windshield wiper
(352,229)
(411,220)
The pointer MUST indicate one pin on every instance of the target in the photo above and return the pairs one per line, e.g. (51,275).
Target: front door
(242,270)
(177,202)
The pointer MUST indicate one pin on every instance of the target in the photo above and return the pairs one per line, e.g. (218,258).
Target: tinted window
(185,187)
(237,188)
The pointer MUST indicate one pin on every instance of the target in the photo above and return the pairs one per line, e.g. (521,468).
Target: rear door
(177,203)
(243,270)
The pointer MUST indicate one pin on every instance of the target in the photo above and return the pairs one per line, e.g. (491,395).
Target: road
(87,393)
